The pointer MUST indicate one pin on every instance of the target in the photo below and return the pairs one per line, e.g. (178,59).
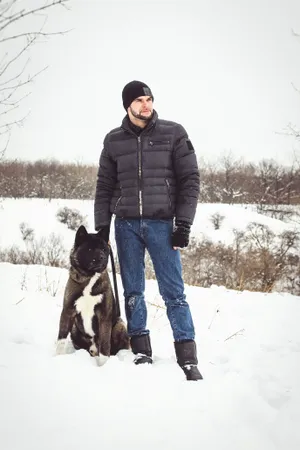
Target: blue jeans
(132,238)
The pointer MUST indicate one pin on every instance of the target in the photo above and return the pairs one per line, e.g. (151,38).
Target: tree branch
(21,14)
(17,56)
(14,75)
(35,34)
(9,125)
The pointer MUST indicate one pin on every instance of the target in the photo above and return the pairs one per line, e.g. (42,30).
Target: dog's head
(90,252)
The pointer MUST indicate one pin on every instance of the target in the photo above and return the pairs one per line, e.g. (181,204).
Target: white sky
(222,68)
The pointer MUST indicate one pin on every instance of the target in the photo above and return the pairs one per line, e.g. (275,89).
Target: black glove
(104,232)
(180,235)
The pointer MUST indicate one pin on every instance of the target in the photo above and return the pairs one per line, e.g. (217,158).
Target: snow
(15,211)
(248,349)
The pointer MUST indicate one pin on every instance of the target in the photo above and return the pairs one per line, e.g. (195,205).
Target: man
(148,177)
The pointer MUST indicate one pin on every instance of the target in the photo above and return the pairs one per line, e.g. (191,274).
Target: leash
(117,302)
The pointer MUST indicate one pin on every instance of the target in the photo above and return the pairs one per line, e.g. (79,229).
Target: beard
(140,116)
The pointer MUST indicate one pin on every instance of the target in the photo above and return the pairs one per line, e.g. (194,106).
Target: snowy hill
(248,349)
(248,345)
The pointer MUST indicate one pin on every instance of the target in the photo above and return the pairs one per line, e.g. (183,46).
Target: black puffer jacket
(153,175)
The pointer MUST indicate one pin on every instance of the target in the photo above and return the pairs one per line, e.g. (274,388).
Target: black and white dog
(90,313)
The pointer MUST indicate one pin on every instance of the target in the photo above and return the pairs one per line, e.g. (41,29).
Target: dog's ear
(81,235)
(103,233)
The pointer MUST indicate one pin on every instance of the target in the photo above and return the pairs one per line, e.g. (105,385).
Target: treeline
(47,179)
(228,181)
(234,181)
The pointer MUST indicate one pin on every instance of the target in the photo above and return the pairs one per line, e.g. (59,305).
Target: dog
(90,313)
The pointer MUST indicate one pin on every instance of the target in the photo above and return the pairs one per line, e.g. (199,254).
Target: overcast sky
(224,69)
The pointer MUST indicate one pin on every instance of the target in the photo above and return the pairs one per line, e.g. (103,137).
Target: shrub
(45,251)
(26,231)
(71,217)
(257,261)
(216,220)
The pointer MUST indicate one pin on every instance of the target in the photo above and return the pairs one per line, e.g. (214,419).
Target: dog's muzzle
(100,262)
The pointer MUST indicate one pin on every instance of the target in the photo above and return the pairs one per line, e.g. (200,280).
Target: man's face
(142,108)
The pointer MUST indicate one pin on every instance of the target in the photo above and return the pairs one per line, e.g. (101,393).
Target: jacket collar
(126,123)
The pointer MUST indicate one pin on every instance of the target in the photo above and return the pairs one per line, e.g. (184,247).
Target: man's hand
(180,235)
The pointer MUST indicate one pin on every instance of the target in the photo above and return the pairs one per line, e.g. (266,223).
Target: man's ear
(80,236)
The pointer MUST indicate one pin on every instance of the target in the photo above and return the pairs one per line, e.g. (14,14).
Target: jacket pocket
(169,192)
(159,143)
(117,203)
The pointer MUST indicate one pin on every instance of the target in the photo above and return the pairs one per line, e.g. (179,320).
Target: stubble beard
(140,116)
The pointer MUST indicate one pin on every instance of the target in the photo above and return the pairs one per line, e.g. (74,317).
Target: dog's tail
(117,301)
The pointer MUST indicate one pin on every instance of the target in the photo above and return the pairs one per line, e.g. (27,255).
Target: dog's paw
(69,347)
(61,347)
(93,351)
(101,359)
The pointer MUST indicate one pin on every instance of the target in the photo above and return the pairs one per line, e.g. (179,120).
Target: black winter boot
(186,354)
(141,347)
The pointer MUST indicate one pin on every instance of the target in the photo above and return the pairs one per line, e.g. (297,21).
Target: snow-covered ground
(40,214)
(248,349)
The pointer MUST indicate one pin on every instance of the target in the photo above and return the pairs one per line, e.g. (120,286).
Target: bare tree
(209,181)
(22,24)
(292,129)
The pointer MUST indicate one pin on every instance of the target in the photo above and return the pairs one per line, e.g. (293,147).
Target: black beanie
(133,90)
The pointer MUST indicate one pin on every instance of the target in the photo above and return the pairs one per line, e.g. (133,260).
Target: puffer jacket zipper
(139,140)
(140,175)
(161,142)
